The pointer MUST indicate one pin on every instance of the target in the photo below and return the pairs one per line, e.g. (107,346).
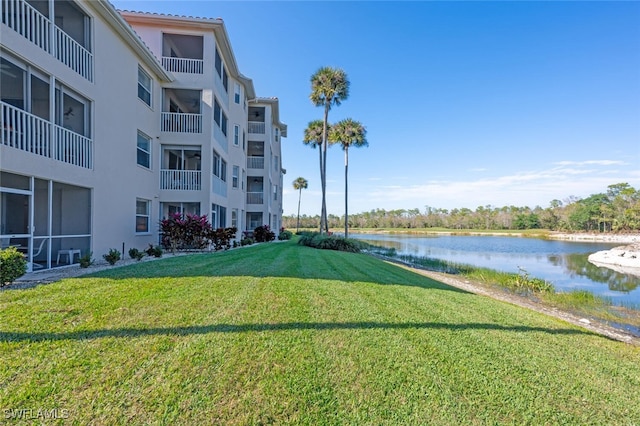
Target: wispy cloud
(591,163)
(527,188)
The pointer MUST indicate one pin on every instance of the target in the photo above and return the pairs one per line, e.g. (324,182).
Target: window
(275,192)
(223,170)
(277,134)
(144,86)
(219,167)
(218,63)
(219,117)
(216,164)
(225,80)
(244,178)
(244,140)
(275,163)
(236,93)
(222,72)
(142,215)
(236,135)
(144,150)
(235,176)
(218,216)
(234,218)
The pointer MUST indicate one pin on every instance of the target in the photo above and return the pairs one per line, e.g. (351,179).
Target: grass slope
(278,333)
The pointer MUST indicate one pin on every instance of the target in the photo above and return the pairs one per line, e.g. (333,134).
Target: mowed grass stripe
(277,333)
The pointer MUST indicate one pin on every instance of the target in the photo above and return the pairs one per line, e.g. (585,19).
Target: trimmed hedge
(331,242)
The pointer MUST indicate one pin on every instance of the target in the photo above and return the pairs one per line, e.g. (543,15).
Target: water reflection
(564,263)
(577,263)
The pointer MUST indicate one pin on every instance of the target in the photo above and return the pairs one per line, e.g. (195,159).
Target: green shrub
(86,260)
(13,265)
(331,242)
(222,238)
(136,254)
(154,251)
(285,234)
(263,234)
(247,241)
(112,257)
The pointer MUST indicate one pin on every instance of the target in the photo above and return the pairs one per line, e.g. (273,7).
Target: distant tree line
(617,210)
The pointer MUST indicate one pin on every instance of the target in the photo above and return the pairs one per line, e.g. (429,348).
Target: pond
(563,263)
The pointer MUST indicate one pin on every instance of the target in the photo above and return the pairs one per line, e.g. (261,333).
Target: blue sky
(466,104)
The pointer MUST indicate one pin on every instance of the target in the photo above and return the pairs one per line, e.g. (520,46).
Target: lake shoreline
(583,237)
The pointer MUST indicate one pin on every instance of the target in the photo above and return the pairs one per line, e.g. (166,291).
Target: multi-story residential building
(112,120)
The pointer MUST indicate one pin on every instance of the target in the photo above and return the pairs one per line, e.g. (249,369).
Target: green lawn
(279,333)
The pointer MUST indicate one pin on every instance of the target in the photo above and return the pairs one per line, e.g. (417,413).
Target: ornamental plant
(185,232)
(263,234)
(112,257)
(13,265)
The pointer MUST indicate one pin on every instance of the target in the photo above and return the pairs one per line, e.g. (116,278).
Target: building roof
(211,24)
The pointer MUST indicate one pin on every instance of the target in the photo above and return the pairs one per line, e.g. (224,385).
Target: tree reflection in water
(578,264)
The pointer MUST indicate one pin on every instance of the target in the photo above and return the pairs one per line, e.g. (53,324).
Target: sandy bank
(625,259)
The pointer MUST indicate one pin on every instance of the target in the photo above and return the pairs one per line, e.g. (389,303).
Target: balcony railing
(72,54)
(256,127)
(255,162)
(21,17)
(70,147)
(181,122)
(219,186)
(181,180)
(255,197)
(185,65)
(27,132)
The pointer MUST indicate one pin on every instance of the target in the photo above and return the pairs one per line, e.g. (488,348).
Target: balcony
(181,122)
(183,65)
(254,162)
(257,127)
(180,180)
(182,53)
(181,111)
(27,132)
(255,197)
(30,23)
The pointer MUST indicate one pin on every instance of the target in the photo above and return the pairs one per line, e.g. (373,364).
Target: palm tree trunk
(323,173)
(298,223)
(346,197)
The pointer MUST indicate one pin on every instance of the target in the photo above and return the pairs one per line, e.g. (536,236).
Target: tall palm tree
(329,86)
(299,184)
(348,133)
(313,138)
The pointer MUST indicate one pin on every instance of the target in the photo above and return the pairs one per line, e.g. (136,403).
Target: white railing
(24,131)
(21,17)
(181,122)
(27,132)
(70,147)
(181,180)
(256,127)
(255,197)
(255,162)
(219,186)
(185,65)
(72,54)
